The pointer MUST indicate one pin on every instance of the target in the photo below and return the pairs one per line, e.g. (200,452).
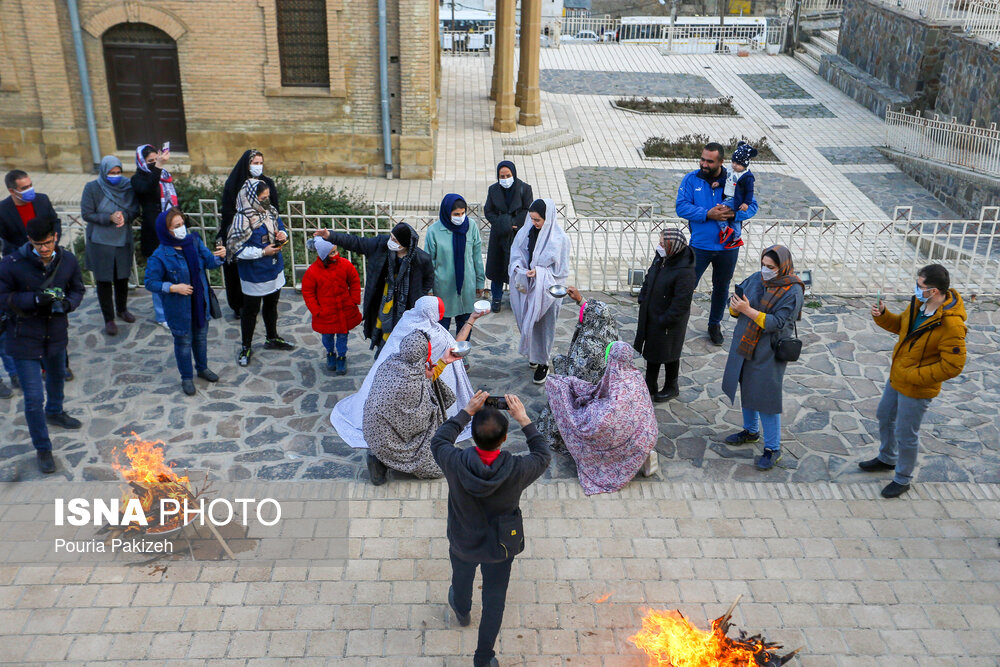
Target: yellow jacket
(931,354)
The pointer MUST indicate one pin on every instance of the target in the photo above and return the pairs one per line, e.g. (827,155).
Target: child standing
(331,289)
(738,193)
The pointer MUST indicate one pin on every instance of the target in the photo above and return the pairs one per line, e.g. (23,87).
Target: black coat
(504,222)
(664,307)
(147,191)
(36,332)
(377,251)
(234,183)
(12,234)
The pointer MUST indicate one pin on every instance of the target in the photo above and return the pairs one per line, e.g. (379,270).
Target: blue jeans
(497,288)
(196,341)
(8,361)
(158,307)
(771,424)
(496,576)
(29,371)
(899,420)
(723,266)
(335,344)
(460,321)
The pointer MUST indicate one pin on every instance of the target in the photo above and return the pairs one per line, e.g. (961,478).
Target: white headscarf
(348,414)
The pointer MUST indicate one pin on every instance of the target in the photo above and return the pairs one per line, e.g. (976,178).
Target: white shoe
(164,325)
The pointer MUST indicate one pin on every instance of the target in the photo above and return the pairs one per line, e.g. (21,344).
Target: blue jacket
(166,267)
(261,269)
(695,197)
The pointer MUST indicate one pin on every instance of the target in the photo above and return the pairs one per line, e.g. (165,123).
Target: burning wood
(670,640)
(151,481)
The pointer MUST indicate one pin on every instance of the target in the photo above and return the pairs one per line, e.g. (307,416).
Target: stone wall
(970,82)
(961,190)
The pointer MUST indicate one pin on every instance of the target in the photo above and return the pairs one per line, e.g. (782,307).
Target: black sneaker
(894,490)
(45,461)
(244,358)
(875,465)
(541,372)
(5,391)
(63,420)
(768,459)
(742,438)
(496,306)
(666,395)
(208,376)
(463,619)
(188,387)
(278,344)
(715,334)
(376,470)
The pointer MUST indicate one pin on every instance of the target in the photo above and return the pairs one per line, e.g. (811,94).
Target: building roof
(576,4)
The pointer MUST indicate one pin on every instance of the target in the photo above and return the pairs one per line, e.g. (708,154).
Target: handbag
(213,302)
(787,349)
(509,534)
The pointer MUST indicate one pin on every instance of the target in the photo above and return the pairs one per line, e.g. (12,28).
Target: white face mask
(506,182)
(457,220)
(180,233)
(768,274)
(393,246)
(256,170)
(661,251)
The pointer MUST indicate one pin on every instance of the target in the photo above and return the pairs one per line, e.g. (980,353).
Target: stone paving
(866,155)
(803,111)
(889,188)
(630,84)
(775,86)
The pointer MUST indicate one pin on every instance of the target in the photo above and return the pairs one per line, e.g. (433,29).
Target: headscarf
(168,193)
(458,236)
(508,193)
(673,239)
(774,289)
(121,194)
(190,252)
(404,409)
(609,427)
(397,282)
(251,214)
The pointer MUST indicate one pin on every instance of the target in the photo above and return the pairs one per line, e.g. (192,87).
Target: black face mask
(151,163)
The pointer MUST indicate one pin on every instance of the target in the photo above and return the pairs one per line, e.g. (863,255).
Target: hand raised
(516,409)
(476,403)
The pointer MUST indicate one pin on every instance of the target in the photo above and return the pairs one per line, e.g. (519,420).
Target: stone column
(531,44)
(503,77)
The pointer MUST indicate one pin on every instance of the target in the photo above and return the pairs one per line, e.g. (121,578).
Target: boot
(342,365)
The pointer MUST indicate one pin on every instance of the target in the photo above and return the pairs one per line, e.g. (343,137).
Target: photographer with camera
(39,285)
(484,518)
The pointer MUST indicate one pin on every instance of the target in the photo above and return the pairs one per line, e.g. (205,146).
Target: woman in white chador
(348,413)
(539,259)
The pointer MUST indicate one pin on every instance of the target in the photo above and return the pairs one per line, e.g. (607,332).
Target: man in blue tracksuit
(699,201)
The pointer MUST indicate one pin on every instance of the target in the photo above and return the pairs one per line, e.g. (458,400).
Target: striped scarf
(673,241)
(168,193)
(774,289)
(250,214)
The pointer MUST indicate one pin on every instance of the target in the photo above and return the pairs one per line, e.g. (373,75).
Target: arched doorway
(144,84)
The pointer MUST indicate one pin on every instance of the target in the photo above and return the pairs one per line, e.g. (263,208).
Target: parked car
(583,36)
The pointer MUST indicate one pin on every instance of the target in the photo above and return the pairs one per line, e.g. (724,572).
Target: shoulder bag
(787,349)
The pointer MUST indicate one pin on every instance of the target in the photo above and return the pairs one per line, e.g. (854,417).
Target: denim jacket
(167,267)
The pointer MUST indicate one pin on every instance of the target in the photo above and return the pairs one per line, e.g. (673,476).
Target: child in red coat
(332,291)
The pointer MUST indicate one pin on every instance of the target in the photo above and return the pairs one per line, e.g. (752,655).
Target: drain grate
(780,127)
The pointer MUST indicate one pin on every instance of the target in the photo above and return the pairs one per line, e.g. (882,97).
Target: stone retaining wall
(963,191)
(970,81)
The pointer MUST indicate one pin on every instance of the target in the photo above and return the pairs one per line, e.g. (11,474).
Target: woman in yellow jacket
(930,350)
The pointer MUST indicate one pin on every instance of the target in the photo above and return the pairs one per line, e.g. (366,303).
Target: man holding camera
(484,519)
(40,283)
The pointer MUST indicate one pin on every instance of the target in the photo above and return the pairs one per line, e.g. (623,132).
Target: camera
(57,299)
(498,402)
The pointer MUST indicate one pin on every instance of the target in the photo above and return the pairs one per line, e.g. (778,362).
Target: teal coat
(438,246)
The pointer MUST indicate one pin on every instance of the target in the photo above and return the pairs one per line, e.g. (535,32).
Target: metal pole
(673,18)
(383,71)
(795,24)
(88,99)
(722,22)
(453,16)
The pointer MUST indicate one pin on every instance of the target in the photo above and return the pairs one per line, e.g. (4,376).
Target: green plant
(695,106)
(689,146)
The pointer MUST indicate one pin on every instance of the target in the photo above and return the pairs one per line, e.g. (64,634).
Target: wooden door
(144,84)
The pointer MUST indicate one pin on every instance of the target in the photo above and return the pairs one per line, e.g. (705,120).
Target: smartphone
(878,299)
(739,291)
(498,402)
(166,147)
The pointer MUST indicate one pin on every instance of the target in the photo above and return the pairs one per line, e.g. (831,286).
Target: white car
(586,36)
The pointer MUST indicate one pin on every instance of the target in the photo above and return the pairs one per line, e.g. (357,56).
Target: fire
(150,479)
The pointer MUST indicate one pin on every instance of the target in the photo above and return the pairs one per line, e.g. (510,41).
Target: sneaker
(5,391)
(341,365)
(208,376)
(244,358)
(875,465)
(69,374)
(541,372)
(532,366)
(127,317)
(45,461)
(894,490)
(463,619)
(188,387)
(376,470)
(496,306)
(278,344)
(111,328)
(725,234)
(164,325)
(734,242)
(715,334)
(768,459)
(63,420)
(666,395)
(331,361)
(742,438)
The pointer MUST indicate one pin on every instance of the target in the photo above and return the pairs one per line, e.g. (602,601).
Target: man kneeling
(484,519)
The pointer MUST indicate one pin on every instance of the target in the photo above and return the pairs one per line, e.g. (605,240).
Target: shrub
(689,146)
(695,106)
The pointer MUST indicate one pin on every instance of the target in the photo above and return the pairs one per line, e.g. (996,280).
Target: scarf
(397,289)
(168,193)
(458,237)
(190,252)
(250,214)
(508,193)
(773,291)
(674,242)
(121,194)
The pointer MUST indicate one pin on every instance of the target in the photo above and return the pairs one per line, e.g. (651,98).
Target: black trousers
(496,576)
(248,316)
(672,370)
(234,289)
(113,297)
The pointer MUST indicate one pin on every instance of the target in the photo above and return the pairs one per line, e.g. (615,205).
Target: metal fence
(478,42)
(982,19)
(812,7)
(943,11)
(967,146)
(849,257)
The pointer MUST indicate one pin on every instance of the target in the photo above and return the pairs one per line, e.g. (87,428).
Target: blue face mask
(919,293)
(28,195)
(115,180)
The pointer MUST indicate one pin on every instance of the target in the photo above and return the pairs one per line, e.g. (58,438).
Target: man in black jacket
(398,273)
(484,491)
(39,285)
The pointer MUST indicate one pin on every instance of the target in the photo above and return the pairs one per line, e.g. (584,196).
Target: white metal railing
(982,19)
(589,28)
(477,42)
(967,146)
(809,7)
(703,38)
(945,11)
(845,256)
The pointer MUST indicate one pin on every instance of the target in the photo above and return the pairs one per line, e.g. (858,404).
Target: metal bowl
(482,306)
(558,291)
(461,348)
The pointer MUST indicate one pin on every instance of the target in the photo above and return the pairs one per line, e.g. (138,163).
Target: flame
(149,478)
(670,640)
(604,598)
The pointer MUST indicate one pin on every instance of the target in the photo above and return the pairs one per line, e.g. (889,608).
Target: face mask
(768,274)
(265,202)
(506,182)
(256,170)
(457,219)
(114,180)
(661,251)
(180,233)
(393,246)
(27,195)
(919,293)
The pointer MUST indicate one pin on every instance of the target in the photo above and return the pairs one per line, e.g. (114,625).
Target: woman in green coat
(456,250)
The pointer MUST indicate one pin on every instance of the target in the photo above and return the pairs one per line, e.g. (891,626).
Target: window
(302,43)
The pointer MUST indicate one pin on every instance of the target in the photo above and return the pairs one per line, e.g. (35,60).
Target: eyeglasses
(51,243)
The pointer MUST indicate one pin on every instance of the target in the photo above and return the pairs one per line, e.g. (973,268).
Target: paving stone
(803,111)
(889,190)
(628,84)
(774,86)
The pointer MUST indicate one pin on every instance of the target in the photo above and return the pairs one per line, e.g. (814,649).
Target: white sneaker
(164,325)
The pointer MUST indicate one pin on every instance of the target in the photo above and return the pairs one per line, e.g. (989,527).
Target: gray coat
(760,378)
(109,248)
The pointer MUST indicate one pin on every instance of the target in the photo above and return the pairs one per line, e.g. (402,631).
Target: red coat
(332,293)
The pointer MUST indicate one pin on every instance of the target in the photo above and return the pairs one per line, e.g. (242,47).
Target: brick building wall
(231,83)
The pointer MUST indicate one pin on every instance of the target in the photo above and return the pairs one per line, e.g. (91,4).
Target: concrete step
(536,137)
(815,50)
(808,60)
(831,37)
(553,142)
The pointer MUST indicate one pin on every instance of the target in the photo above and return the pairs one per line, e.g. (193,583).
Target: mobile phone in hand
(739,291)
(498,402)
(166,147)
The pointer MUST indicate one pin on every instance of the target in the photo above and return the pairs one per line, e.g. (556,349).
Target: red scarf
(488,457)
